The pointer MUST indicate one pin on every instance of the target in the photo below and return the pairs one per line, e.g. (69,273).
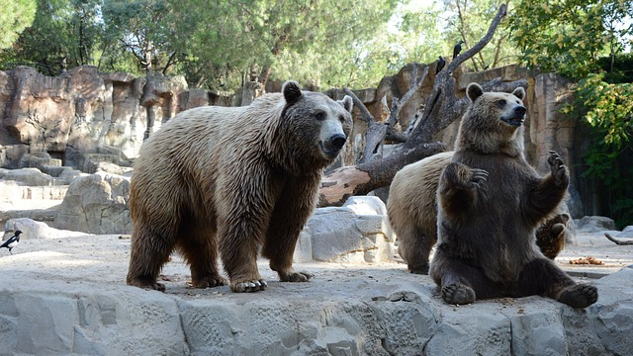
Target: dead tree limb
(441,109)
(377,132)
(617,242)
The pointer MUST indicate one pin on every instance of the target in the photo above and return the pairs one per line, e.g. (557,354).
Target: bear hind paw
(293,276)
(458,294)
(249,286)
(579,296)
(146,283)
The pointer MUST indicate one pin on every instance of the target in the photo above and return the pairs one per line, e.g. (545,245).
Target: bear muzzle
(332,145)
(516,117)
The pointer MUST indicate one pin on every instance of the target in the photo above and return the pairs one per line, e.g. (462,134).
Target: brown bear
(490,202)
(412,211)
(233,181)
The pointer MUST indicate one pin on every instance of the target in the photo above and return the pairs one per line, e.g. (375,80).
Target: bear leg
(461,283)
(149,252)
(292,210)
(239,257)
(414,247)
(199,247)
(542,277)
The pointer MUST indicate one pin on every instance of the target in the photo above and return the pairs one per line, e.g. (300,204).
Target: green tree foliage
(608,109)
(63,35)
(141,28)
(314,40)
(568,36)
(16,15)
(582,40)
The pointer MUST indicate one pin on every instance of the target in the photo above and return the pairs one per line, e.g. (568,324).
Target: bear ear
(292,92)
(519,93)
(474,91)
(347,103)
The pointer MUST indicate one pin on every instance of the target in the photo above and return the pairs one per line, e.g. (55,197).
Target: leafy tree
(568,36)
(16,15)
(142,28)
(63,35)
(608,109)
(264,38)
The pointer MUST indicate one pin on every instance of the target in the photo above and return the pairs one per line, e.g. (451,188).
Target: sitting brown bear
(490,202)
(412,210)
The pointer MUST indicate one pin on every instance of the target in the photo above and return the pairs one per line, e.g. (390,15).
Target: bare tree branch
(618,242)
(441,109)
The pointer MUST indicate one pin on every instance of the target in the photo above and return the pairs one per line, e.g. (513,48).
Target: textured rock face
(82,111)
(351,316)
(96,204)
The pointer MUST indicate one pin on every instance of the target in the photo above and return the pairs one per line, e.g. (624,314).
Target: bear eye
(341,118)
(501,102)
(320,116)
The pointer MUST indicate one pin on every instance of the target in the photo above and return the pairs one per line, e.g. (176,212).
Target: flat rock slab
(67,296)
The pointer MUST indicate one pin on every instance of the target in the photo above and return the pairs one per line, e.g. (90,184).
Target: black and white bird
(440,64)
(457,49)
(12,241)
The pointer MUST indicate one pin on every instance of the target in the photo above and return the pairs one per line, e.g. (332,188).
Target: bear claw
(478,178)
(249,286)
(557,165)
(145,284)
(579,296)
(458,294)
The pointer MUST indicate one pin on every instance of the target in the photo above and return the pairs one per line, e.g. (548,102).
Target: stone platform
(67,296)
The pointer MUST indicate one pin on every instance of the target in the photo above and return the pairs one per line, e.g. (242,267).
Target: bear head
(493,122)
(313,125)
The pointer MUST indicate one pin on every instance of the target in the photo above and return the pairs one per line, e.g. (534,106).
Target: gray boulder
(34,230)
(96,204)
(590,224)
(357,232)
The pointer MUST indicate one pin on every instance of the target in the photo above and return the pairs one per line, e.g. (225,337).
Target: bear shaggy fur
(233,181)
(490,202)
(412,210)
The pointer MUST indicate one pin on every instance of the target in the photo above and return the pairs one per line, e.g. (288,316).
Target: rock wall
(84,117)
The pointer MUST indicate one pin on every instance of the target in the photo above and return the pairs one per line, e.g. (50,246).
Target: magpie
(12,241)
(440,64)
(457,49)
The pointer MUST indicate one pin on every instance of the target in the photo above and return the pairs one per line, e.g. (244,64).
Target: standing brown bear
(233,181)
(490,201)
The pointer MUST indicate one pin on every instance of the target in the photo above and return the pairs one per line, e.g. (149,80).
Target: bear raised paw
(490,203)
(231,182)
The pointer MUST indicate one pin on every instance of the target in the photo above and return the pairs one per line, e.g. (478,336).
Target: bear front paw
(248,286)
(579,296)
(559,170)
(209,281)
(458,293)
(477,178)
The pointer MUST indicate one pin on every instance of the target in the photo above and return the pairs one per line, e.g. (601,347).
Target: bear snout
(520,111)
(338,141)
(332,145)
